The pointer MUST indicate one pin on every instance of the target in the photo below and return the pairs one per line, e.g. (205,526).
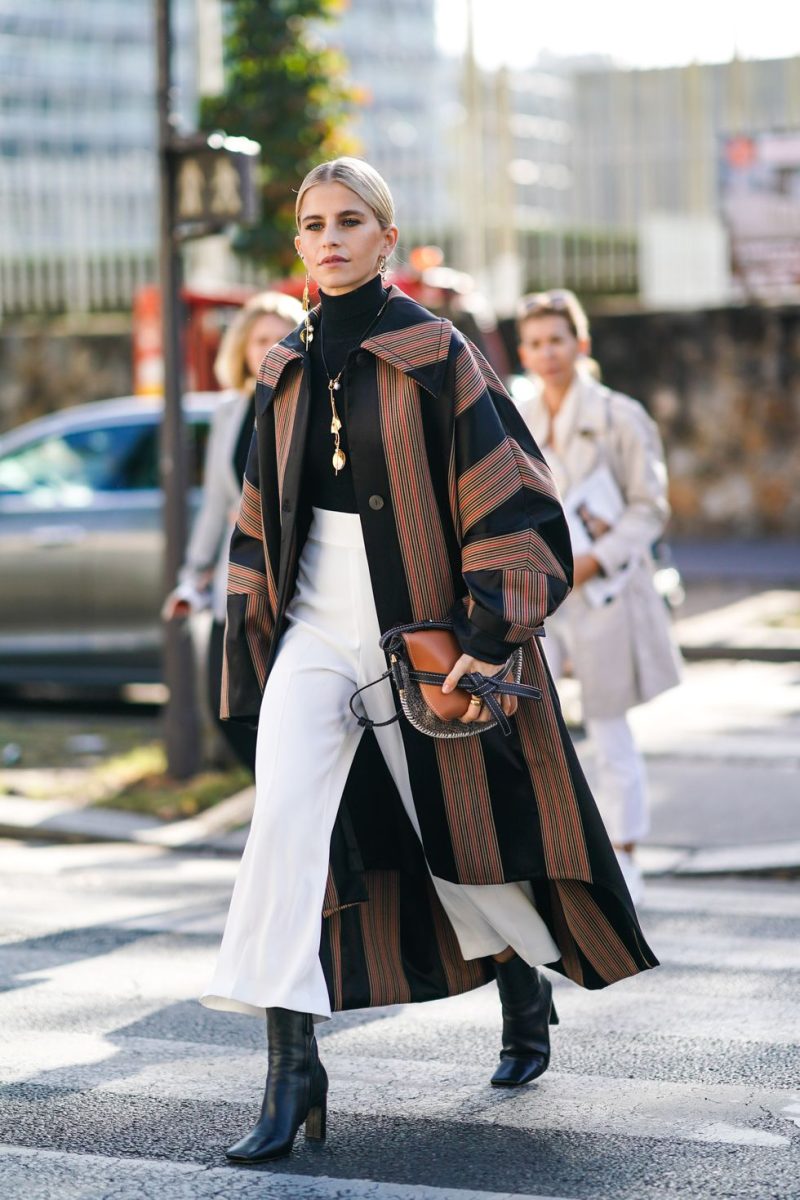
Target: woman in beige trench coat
(606,456)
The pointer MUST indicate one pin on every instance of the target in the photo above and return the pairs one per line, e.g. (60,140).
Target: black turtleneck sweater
(339,330)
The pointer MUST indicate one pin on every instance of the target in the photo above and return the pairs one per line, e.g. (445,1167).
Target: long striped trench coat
(459,516)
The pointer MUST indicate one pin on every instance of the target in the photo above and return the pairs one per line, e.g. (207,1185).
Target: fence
(77,233)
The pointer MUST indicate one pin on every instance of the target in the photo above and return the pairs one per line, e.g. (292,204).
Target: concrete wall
(724,386)
(46,366)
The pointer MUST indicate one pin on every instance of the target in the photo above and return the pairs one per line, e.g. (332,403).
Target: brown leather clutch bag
(436,651)
(421,656)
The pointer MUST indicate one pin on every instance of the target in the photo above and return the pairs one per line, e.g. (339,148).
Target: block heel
(316,1122)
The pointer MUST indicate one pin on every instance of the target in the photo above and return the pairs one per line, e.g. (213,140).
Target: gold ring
(476,700)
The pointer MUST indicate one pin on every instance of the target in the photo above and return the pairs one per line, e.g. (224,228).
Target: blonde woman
(606,457)
(391,480)
(263,321)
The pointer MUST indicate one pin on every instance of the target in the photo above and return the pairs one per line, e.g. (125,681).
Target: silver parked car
(81,543)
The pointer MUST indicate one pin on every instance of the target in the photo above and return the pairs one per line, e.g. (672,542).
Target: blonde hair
(230,365)
(559,302)
(359,177)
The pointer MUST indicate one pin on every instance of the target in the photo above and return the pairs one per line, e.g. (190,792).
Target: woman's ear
(390,239)
(297,245)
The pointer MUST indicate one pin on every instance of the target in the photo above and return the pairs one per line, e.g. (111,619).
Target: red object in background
(207,313)
(741,152)
(148,360)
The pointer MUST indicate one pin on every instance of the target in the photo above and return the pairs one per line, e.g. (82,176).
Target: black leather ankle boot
(528,1011)
(296,1091)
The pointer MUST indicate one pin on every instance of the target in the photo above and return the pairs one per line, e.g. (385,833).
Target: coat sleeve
(638,463)
(515,550)
(212,518)
(250,605)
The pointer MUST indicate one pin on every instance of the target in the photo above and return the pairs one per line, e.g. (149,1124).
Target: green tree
(288,92)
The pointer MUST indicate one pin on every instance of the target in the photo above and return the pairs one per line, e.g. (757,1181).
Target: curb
(222,830)
(744,629)
(666,861)
(773,654)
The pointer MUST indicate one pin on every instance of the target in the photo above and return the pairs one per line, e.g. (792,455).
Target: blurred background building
(668,198)
(405,101)
(570,172)
(78,184)
(651,149)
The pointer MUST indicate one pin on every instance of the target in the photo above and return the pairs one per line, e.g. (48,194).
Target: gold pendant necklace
(339,457)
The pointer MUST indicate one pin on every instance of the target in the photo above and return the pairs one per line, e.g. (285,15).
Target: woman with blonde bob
(263,321)
(392,481)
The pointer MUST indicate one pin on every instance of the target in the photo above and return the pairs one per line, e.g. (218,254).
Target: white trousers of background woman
(621,780)
(307,741)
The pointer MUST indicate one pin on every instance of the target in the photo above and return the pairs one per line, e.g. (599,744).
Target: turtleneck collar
(340,313)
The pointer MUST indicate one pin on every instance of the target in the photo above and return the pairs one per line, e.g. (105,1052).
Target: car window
(72,465)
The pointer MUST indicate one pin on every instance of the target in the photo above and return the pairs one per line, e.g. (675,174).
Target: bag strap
(486,686)
(365,721)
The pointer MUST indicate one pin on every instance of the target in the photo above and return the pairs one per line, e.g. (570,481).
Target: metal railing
(77,234)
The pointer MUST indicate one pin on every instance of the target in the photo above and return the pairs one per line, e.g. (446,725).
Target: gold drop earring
(308,333)
(382,264)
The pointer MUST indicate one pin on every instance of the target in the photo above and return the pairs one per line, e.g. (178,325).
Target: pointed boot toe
(514,1072)
(528,1011)
(296,1091)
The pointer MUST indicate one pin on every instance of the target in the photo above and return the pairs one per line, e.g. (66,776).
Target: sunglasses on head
(546,300)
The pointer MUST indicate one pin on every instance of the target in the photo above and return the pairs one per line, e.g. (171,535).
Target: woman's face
(548,348)
(340,238)
(265,332)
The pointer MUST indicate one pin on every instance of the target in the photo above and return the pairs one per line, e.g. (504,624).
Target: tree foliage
(288,92)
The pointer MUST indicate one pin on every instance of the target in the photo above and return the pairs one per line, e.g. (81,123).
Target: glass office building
(77,142)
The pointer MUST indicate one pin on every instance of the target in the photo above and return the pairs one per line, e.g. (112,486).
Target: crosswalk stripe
(413,1089)
(43,1175)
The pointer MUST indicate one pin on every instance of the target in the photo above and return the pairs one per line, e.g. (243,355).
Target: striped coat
(460,516)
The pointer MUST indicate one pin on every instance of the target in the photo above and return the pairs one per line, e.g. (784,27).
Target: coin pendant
(339,459)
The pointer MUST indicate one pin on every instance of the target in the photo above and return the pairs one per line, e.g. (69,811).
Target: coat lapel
(419,350)
(283,381)
(582,451)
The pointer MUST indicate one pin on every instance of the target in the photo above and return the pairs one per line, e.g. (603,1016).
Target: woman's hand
(475,712)
(174,607)
(584,568)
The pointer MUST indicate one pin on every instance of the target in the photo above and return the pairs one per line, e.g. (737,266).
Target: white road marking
(44,1174)
(408,1089)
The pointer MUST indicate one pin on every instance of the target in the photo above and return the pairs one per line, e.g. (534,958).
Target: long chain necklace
(334,383)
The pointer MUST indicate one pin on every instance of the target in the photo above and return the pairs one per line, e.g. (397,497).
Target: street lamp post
(182,727)
(207,182)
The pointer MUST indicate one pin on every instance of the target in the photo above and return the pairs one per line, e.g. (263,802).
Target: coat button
(376,502)
(286,506)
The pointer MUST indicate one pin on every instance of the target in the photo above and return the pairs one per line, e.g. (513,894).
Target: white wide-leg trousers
(307,740)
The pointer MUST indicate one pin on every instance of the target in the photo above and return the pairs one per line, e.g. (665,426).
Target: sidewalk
(723,755)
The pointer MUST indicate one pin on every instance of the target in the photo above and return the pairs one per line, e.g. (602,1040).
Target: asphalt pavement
(682,1082)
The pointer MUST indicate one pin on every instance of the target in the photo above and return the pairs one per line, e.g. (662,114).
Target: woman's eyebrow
(347,212)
